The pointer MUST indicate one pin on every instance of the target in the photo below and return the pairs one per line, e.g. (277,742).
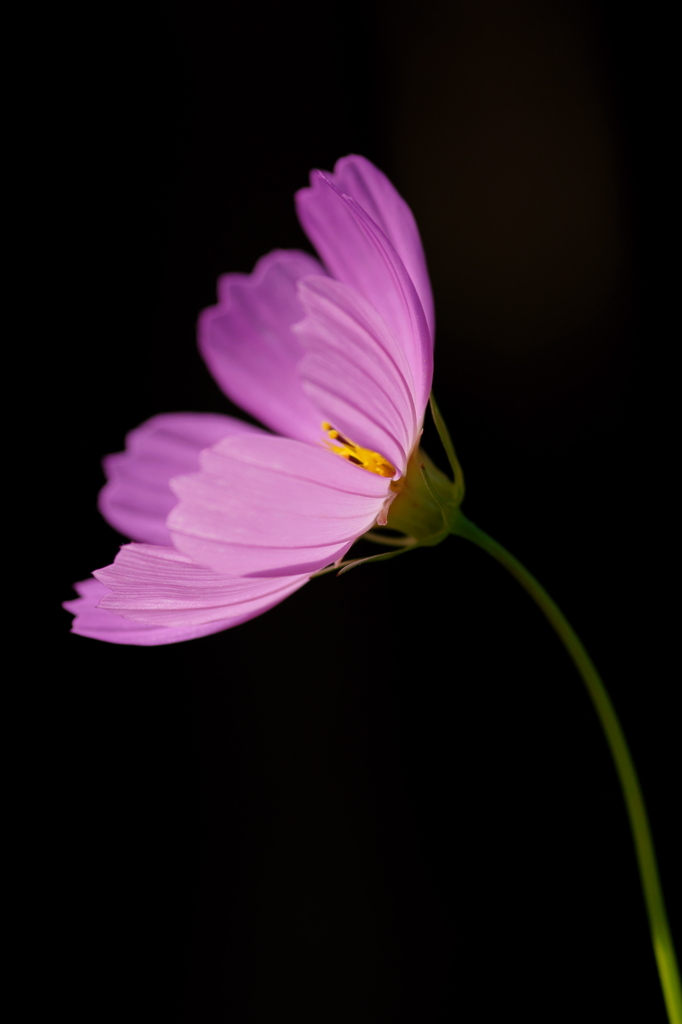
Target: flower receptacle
(426,501)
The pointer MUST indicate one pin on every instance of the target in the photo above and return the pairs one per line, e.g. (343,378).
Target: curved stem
(664,950)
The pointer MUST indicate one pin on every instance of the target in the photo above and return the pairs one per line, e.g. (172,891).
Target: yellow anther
(363,457)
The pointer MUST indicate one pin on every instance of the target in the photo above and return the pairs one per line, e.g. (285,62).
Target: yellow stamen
(364,457)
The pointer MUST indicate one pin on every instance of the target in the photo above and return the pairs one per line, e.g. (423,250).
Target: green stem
(661,938)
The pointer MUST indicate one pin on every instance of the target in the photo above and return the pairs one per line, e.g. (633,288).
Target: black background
(388,799)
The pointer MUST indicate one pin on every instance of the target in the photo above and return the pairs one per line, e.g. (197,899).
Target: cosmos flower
(335,357)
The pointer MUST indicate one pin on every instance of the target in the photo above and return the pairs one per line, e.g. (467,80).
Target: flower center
(363,457)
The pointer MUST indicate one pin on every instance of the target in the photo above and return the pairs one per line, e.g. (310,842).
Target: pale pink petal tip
(368,256)
(249,347)
(98,624)
(357,177)
(136,499)
(154,595)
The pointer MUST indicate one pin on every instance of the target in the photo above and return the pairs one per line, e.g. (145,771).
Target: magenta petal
(99,624)
(269,505)
(357,252)
(137,499)
(250,349)
(355,371)
(355,176)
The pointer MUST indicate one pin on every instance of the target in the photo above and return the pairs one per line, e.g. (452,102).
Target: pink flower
(337,358)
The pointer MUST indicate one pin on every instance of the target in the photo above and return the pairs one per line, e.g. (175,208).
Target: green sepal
(417,509)
(426,542)
(446,441)
(443,505)
(387,541)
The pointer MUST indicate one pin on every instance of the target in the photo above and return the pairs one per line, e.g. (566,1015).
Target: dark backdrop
(388,799)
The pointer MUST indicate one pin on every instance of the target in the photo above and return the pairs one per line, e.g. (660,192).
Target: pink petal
(355,371)
(357,252)
(271,506)
(99,624)
(137,499)
(249,348)
(160,586)
(355,176)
